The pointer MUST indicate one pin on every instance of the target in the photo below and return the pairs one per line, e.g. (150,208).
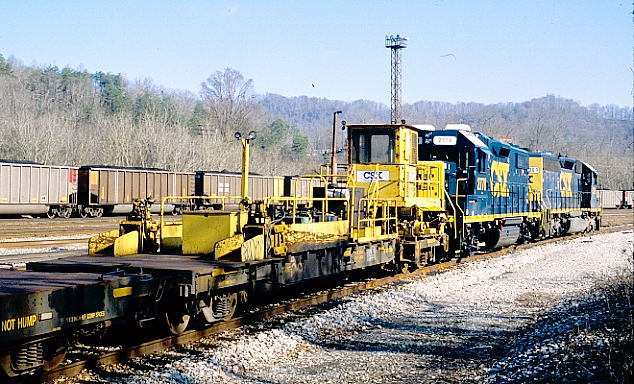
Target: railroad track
(18,261)
(21,228)
(268,312)
(615,217)
(42,242)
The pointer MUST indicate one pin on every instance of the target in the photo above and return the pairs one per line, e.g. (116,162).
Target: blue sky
(480,51)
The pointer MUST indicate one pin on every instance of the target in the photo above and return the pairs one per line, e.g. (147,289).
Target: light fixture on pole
(244,190)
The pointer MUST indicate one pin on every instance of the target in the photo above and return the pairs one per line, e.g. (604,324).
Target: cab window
(373,147)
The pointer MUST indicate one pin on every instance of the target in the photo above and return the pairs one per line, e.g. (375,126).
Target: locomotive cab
(589,181)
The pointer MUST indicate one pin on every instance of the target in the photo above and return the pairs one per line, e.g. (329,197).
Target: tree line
(73,117)
(600,135)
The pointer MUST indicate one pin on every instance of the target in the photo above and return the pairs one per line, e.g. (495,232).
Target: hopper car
(34,189)
(623,199)
(112,190)
(407,197)
(28,188)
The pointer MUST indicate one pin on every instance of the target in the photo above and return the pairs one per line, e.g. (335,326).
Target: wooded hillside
(72,117)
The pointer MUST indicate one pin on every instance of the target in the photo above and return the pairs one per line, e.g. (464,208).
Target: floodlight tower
(396,43)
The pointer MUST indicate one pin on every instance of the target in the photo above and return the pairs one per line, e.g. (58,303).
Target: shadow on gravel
(419,338)
(151,365)
(587,340)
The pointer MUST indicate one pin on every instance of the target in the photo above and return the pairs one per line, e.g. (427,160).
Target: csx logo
(370,176)
(499,178)
(565,184)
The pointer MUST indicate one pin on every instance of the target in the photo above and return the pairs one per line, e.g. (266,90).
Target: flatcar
(41,311)
(409,196)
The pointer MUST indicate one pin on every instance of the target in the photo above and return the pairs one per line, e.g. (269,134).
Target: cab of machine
(384,161)
(383,144)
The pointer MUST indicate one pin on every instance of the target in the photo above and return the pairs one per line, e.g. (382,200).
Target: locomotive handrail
(458,205)
(455,212)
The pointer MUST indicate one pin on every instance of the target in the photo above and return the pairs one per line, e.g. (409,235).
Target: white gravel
(441,328)
(11,257)
(45,238)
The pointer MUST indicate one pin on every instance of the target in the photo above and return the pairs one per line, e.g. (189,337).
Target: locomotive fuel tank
(576,225)
(502,237)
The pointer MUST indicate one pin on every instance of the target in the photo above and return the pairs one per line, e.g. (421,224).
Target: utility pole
(333,158)
(396,43)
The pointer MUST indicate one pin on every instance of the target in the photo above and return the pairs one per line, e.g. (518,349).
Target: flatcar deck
(47,304)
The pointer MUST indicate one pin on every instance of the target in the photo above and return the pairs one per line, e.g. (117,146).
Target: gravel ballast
(465,325)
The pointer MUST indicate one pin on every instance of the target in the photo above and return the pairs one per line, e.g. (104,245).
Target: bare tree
(228,96)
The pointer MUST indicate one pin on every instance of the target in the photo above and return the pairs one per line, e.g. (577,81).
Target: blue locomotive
(499,194)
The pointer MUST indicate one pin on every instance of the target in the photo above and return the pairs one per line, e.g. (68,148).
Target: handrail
(296,200)
(387,205)
(455,212)
(458,205)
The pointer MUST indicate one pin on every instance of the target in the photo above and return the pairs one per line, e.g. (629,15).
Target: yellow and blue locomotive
(565,193)
(502,194)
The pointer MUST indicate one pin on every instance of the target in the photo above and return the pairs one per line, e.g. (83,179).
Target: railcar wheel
(51,213)
(98,212)
(82,213)
(7,367)
(176,322)
(220,307)
(65,212)
(54,354)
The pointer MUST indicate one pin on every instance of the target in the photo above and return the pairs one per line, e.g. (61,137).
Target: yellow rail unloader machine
(384,209)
